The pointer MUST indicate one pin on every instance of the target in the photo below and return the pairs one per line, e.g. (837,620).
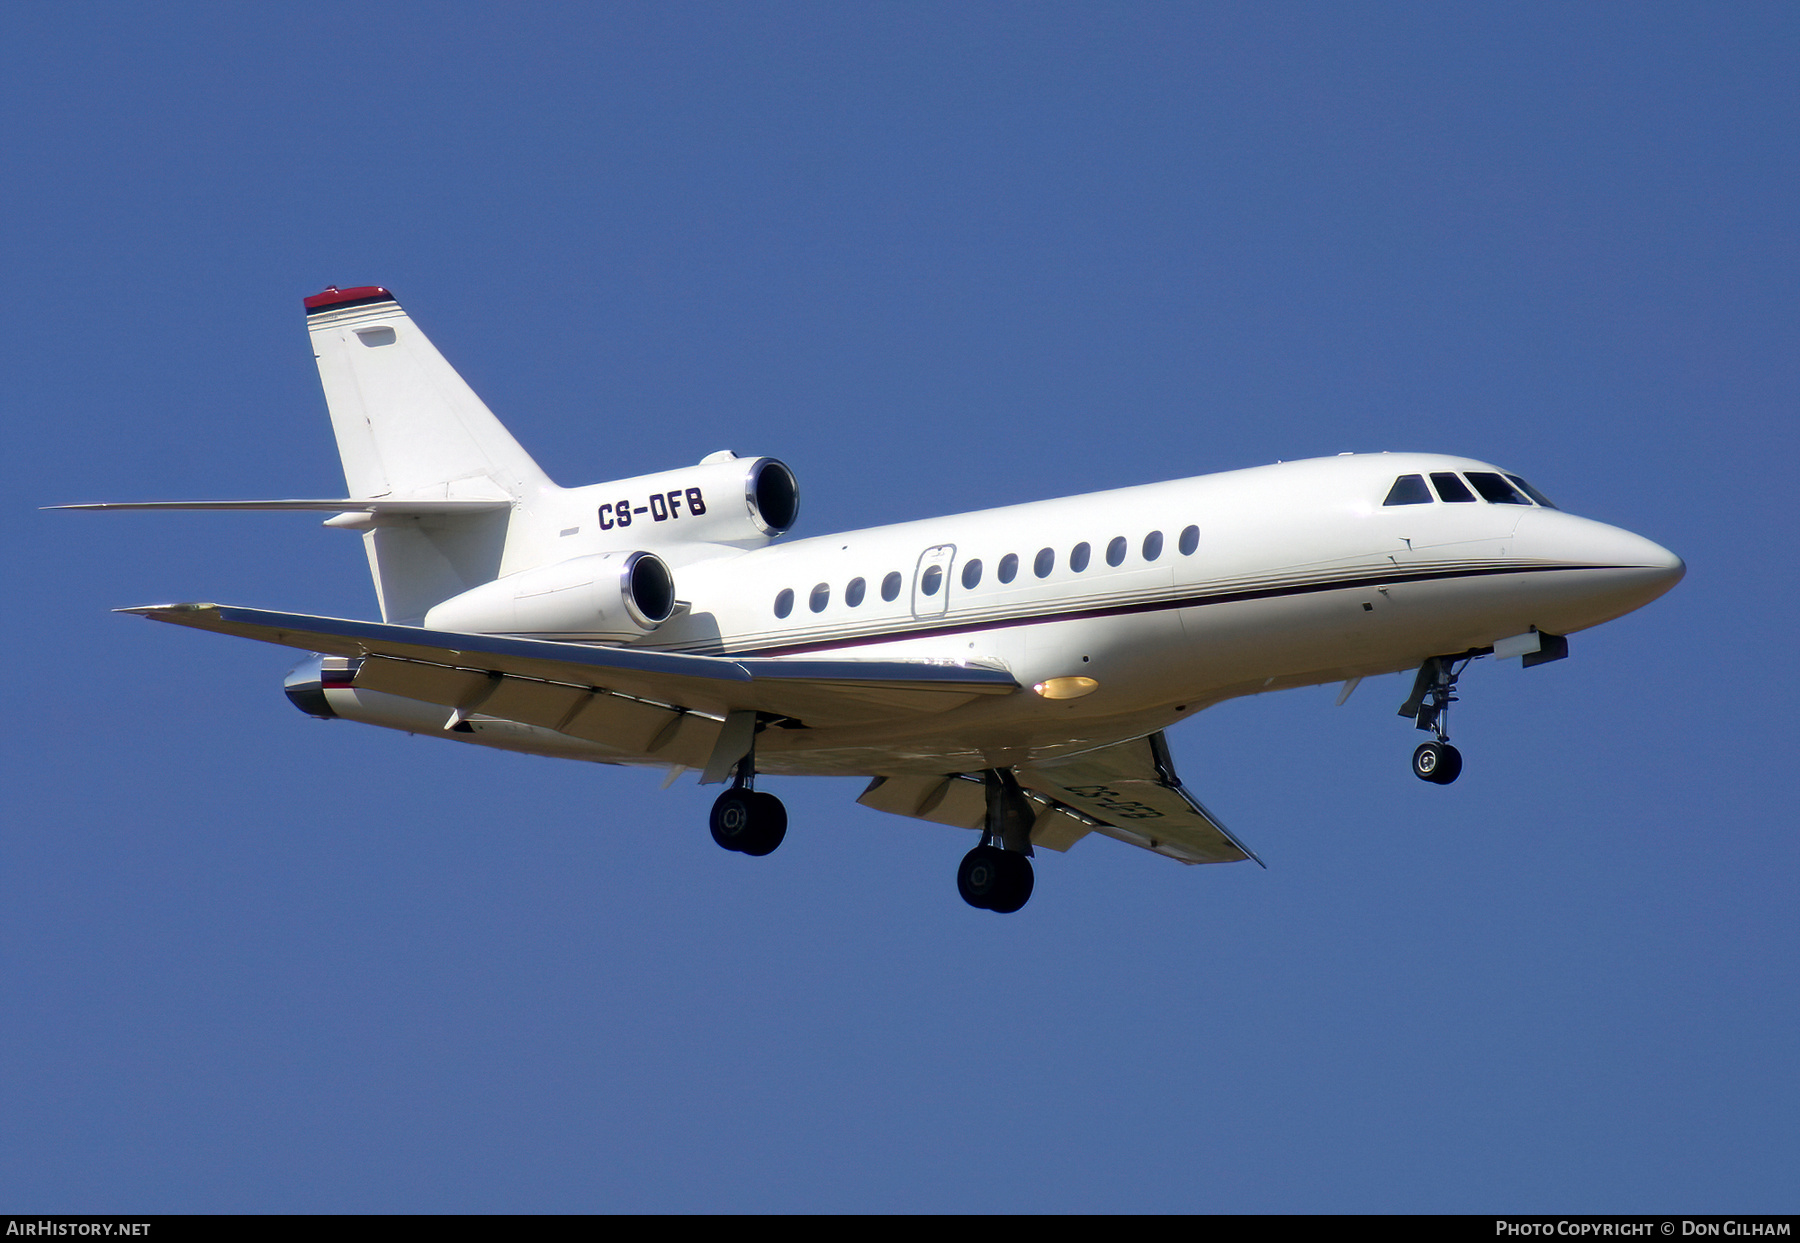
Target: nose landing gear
(1436,761)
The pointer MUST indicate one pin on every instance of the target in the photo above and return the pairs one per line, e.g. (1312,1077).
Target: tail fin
(407,425)
(409,428)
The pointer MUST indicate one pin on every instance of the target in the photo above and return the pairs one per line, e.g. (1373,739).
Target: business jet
(1009,671)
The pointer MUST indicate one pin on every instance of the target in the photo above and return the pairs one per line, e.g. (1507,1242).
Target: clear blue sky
(935,257)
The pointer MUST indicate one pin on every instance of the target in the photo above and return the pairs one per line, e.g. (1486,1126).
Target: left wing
(1127,791)
(451,669)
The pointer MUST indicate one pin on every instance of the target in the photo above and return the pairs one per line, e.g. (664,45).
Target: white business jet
(1008,671)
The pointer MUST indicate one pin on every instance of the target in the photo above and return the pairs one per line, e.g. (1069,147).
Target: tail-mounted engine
(609,595)
(744,502)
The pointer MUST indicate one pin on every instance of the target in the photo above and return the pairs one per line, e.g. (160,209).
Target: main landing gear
(745,819)
(996,875)
(1436,761)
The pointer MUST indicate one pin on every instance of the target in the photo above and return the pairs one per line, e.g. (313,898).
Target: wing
(664,706)
(1130,792)
(1127,791)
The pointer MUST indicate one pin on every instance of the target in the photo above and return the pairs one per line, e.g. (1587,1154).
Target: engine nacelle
(609,595)
(743,502)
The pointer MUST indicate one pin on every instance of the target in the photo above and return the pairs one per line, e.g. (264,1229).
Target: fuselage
(1121,612)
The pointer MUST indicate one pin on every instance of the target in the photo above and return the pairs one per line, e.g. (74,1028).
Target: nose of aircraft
(1622,570)
(1650,563)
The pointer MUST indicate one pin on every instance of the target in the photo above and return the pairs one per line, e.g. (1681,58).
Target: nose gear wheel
(1434,690)
(1437,762)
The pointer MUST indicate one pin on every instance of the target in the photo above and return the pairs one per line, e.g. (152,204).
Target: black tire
(1426,759)
(981,877)
(768,824)
(1437,762)
(1016,884)
(1449,767)
(733,819)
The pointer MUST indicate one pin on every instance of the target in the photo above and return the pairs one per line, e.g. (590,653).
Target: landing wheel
(751,822)
(768,823)
(992,879)
(1437,762)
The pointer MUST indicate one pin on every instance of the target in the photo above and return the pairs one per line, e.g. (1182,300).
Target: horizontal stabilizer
(364,505)
(816,692)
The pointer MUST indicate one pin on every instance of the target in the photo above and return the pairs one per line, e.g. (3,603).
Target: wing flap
(624,724)
(961,800)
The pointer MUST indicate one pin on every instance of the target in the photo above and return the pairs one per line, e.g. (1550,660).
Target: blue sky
(935,257)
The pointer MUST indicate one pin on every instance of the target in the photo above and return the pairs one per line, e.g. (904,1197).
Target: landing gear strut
(1436,761)
(996,875)
(745,819)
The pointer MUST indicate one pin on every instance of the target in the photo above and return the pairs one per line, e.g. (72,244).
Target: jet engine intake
(609,595)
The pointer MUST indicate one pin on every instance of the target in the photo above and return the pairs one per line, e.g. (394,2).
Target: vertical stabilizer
(409,427)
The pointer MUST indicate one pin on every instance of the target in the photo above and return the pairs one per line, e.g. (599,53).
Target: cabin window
(971,573)
(890,586)
(1450,486)
(1078,556)
(1009,567)
(821,596)
(784,602)
(1190,540)
(853,592)
(1153,546)
(1495,489)
(1409,490)
(1115,551)
(1533,493)
(1046,561)
(932,580)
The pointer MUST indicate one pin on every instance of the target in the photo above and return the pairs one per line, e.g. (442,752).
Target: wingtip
(157,610)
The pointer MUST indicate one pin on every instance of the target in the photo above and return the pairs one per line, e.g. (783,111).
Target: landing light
(1066,688)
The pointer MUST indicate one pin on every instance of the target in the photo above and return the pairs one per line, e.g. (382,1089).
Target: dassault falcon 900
(1009,671)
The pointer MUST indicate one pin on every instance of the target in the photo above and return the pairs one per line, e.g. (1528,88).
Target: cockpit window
(1495,489)
(1533,493)
(1450,486)
(1408,490)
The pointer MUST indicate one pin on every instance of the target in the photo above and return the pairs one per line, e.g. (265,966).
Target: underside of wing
(1127,791)
(572,687)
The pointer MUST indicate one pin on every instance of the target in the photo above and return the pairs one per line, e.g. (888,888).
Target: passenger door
(931,582)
